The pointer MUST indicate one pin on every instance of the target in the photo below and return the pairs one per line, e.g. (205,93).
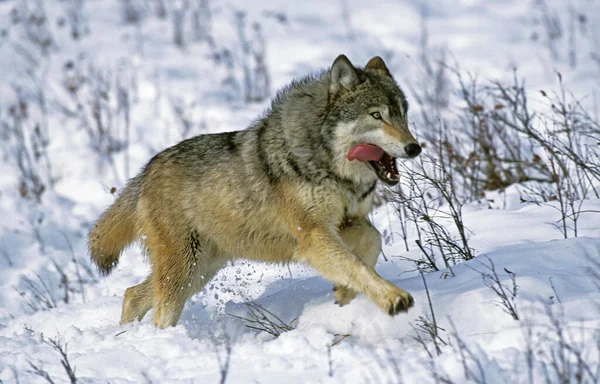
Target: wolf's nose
(412,149)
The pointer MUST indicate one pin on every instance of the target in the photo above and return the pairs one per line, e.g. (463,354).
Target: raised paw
(395,301)
(343,295)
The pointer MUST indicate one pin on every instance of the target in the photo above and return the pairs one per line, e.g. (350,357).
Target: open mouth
(382,163)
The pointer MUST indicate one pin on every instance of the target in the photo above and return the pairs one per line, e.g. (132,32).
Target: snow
(487,38)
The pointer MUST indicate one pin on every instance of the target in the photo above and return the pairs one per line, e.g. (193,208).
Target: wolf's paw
(396,300)
(343,295)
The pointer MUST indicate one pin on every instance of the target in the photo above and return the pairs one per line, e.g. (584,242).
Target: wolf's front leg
(324,250)
(365,242)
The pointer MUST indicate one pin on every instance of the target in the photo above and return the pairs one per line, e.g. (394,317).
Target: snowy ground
(45,242)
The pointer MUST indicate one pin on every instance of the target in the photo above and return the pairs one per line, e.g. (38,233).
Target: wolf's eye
(376,115)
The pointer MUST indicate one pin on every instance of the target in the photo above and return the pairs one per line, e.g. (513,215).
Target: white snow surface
(487,38)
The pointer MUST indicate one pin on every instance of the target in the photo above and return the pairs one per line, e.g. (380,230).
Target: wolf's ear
(377,65)
(343,75)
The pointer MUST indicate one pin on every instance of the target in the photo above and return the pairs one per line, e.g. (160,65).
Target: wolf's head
(367,116)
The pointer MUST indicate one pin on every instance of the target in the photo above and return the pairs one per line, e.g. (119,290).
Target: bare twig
(61,349)
(261,319)
(507,294)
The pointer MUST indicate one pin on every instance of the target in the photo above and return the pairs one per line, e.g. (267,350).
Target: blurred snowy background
(495,229)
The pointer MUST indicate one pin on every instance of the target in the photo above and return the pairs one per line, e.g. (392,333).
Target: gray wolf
(296,186)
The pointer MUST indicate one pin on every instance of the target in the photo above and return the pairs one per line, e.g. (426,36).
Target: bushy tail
(116,228)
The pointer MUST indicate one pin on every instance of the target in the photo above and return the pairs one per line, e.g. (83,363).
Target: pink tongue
(365,152)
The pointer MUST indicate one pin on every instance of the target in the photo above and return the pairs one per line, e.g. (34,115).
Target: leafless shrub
(40,293)
(178,13)
(37,293)
(432,89)
(261,82)
(435,189)
(261,319)
(498,141)
(427,194)
(61,349)
(498,156)
(240,24)
(224,364)
(467,358)
(551,25)
(230,83)
(39,370)
(247,75)
(252,60)
(426,326)
(159,8)
(506,293)
(100,100)
(383,366)
(439,376)
(26,142)
(77,19)
(98,118)
(31,16)
(222,342)
(182,111)
(78,273)
(84,275)
(555,352)
(556,295)
(560,352)
(133,11)
(192,22)
(561,27)
(202,21)
(486,150)
(569,138)
(338,338)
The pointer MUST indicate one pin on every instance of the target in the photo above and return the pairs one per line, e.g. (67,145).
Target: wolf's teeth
(388,175)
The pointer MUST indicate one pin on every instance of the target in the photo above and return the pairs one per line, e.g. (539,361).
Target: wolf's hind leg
(180,271)
(137,301)
(173,281)
(170,300)
(365,242)
(171,292)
